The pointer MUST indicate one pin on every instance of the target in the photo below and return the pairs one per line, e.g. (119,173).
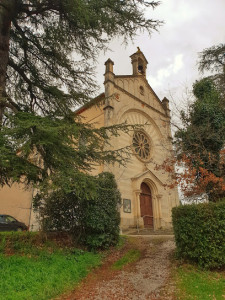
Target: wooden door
(146,205)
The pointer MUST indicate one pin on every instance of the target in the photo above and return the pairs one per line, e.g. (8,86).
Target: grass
(195,283)
(42,272)
(121,242)
(130,257)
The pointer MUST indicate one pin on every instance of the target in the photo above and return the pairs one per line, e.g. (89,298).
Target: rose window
(141,145)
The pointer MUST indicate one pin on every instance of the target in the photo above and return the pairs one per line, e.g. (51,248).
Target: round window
(141,145)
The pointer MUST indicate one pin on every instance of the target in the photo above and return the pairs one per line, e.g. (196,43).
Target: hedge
(199,231)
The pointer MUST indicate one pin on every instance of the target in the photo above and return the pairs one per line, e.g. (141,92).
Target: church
(147,198)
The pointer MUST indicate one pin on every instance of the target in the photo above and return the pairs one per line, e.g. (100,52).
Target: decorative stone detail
(141,145)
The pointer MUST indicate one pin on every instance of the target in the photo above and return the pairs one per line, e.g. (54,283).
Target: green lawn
(42,272)
(194,283)
(130,257)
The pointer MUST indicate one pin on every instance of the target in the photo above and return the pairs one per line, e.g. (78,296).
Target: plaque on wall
(127,205)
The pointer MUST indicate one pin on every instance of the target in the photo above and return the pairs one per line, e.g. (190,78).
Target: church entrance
(146,205)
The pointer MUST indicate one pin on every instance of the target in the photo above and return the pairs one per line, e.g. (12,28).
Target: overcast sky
(190,26)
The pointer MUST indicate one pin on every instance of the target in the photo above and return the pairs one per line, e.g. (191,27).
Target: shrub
(200,233)
(101,214)
(93,222)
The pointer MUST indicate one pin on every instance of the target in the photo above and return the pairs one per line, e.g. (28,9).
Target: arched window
(141,68)
(142,91)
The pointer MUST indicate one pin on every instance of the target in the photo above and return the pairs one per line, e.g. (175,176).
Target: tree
(200,142)
(42,81)
(213,59)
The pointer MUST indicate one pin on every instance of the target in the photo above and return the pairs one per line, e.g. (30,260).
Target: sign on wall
(127,205)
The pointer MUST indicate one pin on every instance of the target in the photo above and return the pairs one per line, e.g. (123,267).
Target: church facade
(147,196)
(147,199)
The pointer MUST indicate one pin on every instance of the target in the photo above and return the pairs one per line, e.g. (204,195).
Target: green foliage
(199,233)
(130,257)
(213,59)
(204,126)
(194,283)
(40,269)
(102,218)
(92,220)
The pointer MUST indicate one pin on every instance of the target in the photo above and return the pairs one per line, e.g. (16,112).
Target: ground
(147,278)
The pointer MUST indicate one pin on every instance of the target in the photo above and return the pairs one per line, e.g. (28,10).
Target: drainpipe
(31,207)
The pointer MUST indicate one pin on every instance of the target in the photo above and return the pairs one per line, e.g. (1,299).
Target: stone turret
(109,75)
(109,90)
(165,103)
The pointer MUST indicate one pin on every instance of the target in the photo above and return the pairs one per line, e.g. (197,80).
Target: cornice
(144,173)
(139,100)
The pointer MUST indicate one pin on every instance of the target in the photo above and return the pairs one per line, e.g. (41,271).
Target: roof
(94,101)
(140,54)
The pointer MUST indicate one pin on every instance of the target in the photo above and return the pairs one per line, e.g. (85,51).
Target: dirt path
(148,278)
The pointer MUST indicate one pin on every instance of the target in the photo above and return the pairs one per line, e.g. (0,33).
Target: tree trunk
(7,10)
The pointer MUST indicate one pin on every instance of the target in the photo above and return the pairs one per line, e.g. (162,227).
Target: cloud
(175,13)
(163,73)
(178,63)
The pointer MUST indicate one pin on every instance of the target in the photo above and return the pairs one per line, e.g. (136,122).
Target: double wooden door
(146,205)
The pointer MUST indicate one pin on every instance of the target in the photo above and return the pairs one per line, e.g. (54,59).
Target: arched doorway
(146,205)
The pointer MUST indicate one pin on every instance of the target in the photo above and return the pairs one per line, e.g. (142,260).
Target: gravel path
(145,279)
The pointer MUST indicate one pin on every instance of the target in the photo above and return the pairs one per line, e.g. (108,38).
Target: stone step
(147,231)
